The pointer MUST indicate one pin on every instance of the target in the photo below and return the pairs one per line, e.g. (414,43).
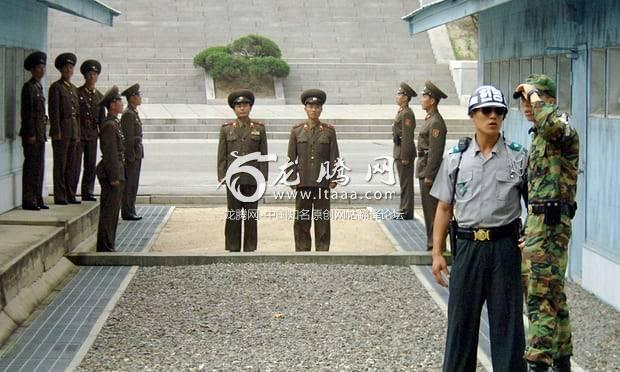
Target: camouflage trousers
(545,258)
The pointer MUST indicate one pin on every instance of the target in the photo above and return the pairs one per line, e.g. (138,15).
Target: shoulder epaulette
(327,125)
(462,145)
(299,125)
(258,123)
(227,123)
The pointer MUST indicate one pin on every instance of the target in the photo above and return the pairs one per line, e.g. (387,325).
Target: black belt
(540,208)
(422,152)
(489,233)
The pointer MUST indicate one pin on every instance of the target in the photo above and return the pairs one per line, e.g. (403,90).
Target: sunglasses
(499,111)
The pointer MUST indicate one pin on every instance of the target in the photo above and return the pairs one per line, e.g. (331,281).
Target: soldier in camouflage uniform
(552,187)
(404,148)
(241,137)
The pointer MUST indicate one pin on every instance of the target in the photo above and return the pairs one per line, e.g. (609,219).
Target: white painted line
(387,232)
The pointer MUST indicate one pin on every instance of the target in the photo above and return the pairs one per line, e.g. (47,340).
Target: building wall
(533,36)
(23,27)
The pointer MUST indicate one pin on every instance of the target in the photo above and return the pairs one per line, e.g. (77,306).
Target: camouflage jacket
(554,156)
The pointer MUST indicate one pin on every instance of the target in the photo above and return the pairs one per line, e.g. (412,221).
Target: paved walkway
(67,326)
(189,111)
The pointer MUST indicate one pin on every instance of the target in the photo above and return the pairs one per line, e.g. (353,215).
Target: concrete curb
(181,259)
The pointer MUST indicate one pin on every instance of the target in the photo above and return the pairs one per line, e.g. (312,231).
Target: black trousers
(88,150)
(110,204)
(132,175)
(65,162)
(32,175)
(405,177)
(241,215)
(312,204)
(485,271)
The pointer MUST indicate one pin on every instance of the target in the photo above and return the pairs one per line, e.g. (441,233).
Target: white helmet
(486,96)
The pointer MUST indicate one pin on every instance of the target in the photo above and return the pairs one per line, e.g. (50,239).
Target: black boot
(537,367)
(561,365)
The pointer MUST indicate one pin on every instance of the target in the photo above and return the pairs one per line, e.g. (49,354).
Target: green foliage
(255,46)
(248,59)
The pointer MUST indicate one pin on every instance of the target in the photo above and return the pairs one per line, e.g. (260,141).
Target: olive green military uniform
(91,117)
(244,139)
(486,266)
(431,147)
(33,122)
(552,188)
(64,110)
(312,146)
(110,168)
(131,126)
(404,149)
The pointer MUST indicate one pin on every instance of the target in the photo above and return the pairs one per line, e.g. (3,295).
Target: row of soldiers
(312,145)
(76,118)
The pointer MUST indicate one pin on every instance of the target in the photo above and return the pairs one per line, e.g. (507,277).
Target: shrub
(252,58)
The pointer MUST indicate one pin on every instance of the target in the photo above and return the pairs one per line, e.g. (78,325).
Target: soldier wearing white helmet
(480,183)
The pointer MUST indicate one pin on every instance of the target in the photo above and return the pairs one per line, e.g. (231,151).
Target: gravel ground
(272,317)
(596,330)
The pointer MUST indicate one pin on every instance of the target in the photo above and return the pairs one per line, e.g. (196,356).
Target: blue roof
(93,10)
(444,11)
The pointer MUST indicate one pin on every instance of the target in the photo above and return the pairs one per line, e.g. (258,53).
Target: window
(487,73)
(495,74)
(537,65)
(514,80)
(9,93)
(597,82)
(19,71)
(504,78)
(613,84)
(564,83)
(526,69)
(550,67)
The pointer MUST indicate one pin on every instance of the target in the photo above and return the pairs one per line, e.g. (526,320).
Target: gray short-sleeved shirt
(488,191)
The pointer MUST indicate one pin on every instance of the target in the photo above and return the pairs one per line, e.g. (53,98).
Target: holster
(453,228)
(396,139)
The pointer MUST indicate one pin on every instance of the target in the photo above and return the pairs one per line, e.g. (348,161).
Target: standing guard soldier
(552,187)
(110,171)
(312,147)
(480,182)
(134,151)
(238,138)
(431,146)
(404,149)
(91,116)
(32,132)
(64,109)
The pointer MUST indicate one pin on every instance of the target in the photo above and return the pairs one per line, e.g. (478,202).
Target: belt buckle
(482,235)
(529,209)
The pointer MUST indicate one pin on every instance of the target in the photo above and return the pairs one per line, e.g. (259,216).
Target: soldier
(91,117)
(431,145)
(404,148)
(134,151)
(552,187)
(64,109)
(240,138)
(32,132)
(312,147)
(110,171)
(483,181)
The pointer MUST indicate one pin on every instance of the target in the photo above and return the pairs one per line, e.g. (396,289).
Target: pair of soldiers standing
(484,179)
(312,145)
(429,152)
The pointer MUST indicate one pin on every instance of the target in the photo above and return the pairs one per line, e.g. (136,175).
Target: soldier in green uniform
(91,117)
(552,187)
(134,152)
(312,147)
(431,146)
(404,148)
(64,110)
(110,171)
(238,138)
(481,182)
(32,132)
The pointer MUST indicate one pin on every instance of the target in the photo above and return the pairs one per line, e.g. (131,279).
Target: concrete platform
(32,263)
